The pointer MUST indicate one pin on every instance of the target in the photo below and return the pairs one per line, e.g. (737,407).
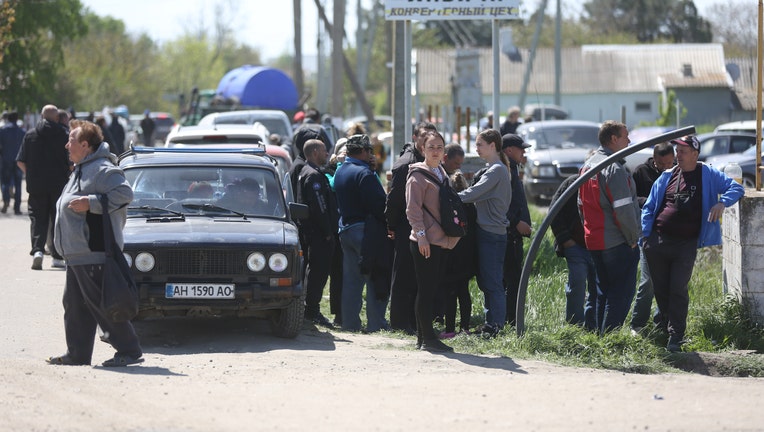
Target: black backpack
(453,215)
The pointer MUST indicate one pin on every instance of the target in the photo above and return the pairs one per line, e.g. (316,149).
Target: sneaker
(37,261)
(321,320)
(674,344)
(58,263)
(636,331)
(446,335)
(5,208)
(435,346)
(488,331)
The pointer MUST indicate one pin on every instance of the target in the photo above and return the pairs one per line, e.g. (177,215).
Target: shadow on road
(179,336)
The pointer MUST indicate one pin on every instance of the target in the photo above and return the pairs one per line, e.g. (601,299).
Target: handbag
(119,294)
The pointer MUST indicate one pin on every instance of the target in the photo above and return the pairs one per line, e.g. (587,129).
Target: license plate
(195,291)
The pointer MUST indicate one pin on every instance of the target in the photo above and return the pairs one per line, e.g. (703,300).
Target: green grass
(717,323)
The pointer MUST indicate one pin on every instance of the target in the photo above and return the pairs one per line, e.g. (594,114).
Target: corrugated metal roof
(588,69)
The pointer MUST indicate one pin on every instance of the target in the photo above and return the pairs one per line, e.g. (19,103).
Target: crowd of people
(384,248)
(392,243)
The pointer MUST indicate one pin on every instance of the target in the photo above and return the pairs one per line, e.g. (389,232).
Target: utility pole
(297,72)
(337,57)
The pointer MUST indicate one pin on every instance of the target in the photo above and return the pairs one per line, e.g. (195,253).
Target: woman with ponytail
(491,195)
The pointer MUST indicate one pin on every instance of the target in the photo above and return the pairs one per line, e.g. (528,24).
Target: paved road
(234,376)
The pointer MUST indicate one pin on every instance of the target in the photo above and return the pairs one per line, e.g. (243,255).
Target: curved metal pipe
(573,188)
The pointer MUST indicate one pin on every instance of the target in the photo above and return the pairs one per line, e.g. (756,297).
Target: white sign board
(430,10)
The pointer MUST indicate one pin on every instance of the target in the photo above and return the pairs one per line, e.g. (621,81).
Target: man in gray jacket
(79,229)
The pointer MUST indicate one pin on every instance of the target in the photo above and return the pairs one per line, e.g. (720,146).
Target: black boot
(435,345)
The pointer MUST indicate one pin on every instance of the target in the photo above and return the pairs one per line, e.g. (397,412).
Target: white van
(748,126)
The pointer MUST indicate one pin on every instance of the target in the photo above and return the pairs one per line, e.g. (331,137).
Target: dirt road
(234,376)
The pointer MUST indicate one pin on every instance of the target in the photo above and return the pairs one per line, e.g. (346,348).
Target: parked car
(274,120)
(558,150)
(746,160)
(711,144)
(209,233)
(745,126)
(230,136)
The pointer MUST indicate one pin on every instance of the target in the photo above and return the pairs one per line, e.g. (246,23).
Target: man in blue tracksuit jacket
(682,214)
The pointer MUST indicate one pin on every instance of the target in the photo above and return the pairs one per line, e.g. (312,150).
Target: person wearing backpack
(429,242)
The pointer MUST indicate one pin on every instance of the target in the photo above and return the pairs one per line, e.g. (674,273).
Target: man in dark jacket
(403,285)
(318,230)
(360,197)
(11,137)
(644,176)
(118,134)
(44,159)
(519,222)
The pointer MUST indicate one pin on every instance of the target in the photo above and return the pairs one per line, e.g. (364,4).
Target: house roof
(588,69)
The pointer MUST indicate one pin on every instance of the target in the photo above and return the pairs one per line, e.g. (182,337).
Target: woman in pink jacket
(429,244)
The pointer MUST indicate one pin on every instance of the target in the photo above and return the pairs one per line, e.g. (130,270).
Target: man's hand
(523,228)
(716,212)
(80,205)
(391,234)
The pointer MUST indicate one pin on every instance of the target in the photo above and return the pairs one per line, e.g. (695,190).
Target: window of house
(643,106)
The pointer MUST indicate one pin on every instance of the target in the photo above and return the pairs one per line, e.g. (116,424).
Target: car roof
(556,123)
(738,126)
(224,130)
(152,156)
(254,114)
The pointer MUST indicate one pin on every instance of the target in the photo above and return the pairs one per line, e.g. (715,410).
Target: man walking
(609,209)
(44,159)
(11,137)
(318,230)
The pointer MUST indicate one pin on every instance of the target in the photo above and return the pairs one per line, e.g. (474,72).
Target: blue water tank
(259,86)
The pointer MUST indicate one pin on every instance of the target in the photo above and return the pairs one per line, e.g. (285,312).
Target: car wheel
(287,322)
(749,182)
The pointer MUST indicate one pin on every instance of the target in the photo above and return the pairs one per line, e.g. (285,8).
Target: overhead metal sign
(430,10)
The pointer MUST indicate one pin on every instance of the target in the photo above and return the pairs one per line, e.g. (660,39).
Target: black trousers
(513,267)
(42,213)
(457,288)
(429,274)
(671,262)
(318,257)
(403,288)
(82,312)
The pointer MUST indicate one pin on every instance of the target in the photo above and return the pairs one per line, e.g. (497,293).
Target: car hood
(210,231)
(559,156)
(723,160)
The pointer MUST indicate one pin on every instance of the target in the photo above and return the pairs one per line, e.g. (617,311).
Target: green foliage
(31,42)
(667,110)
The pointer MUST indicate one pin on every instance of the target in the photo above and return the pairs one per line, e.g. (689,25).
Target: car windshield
(205,191)
(563,137)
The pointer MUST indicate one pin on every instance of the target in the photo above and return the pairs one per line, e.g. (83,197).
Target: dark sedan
(558,149)
(209,234)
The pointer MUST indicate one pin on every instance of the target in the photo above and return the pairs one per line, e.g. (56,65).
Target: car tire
(287,322)
(749,182)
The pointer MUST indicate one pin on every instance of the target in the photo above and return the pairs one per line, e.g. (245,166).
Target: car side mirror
(298,211)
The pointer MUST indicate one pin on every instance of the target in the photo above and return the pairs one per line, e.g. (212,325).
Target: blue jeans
(644,300)
(352,286)
(581,288)
(617,274)
(491,249)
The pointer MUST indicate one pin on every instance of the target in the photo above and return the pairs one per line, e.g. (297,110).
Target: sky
(262,24)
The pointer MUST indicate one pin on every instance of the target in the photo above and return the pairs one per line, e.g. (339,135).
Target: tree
(734,25)
(32,34)
(649,20)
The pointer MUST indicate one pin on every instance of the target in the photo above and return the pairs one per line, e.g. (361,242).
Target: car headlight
(256,261)
(145,262)
(278,262)
(543,171)
(128,258)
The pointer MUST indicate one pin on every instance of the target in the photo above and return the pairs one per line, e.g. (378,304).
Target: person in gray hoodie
(79,229)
